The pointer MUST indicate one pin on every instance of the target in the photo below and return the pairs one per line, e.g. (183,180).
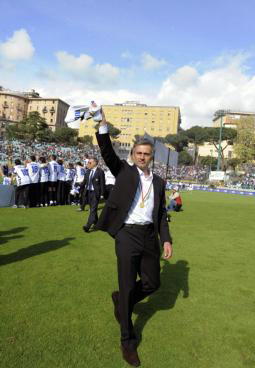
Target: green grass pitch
(56,282)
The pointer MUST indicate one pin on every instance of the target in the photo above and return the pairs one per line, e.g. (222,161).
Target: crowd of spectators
(9,151)
(244,181)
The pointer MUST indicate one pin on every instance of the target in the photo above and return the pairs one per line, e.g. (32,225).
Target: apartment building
(134,118)
(15,106)
(230,118)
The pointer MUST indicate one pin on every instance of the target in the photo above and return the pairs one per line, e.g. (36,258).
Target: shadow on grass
(174,280)
(4,238)
(34,250)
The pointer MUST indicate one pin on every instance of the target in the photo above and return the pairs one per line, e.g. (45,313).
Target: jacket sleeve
(109,156)
(164,232)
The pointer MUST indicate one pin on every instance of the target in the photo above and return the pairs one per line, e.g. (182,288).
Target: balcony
(5,105)
(44,110)
(52,110)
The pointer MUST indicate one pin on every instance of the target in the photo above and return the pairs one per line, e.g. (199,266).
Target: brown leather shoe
(130,356)
(115,300)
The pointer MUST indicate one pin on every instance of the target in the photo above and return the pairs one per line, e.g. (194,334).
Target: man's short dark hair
(33,158)
(42,160)
(53,157)
(143,142)
(17,161)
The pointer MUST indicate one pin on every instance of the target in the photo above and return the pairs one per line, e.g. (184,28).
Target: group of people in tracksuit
(46,183)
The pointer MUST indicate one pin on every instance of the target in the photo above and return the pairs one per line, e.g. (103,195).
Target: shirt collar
(141,173)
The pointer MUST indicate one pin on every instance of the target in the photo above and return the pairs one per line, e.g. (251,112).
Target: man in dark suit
(94,188)
(134,214)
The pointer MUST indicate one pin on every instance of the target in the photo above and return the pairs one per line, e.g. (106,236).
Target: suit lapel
(135,178)
(95,173)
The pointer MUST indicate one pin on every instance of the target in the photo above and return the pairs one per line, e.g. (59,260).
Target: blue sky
(195,54)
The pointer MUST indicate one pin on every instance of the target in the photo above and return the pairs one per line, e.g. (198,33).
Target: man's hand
(168,250)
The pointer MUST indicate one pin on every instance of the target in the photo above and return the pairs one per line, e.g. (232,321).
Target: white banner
(217,175)
(6,195)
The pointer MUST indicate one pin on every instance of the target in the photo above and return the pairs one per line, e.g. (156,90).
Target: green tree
(245,144)
(208,161)
(184,158)
(233,162)
(66,135)
(197,135)
(113,131)
(87,139)
(178,141)
(31,128)
(228,135)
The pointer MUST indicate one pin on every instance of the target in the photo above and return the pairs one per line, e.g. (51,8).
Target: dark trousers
(44,197)
(138,253)
(68,187)
(93,204)
(22,195)
(52,185)
(34,194)
(84,199)
(61,192)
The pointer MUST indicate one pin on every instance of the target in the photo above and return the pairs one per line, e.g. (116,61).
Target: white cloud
(199,95)
(226,84)
(149,62)
(84,68)
(18,47)
(74,64)
(74,92)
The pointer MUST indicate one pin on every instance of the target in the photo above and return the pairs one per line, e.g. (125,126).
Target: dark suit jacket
(123,193)
(98,182)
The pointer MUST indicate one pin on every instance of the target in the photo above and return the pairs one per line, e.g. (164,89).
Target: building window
(51,120)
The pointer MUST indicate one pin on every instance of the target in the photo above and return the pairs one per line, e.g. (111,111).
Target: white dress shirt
(137,214)
(91,174)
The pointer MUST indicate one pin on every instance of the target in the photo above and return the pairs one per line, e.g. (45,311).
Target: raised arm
(109,156)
